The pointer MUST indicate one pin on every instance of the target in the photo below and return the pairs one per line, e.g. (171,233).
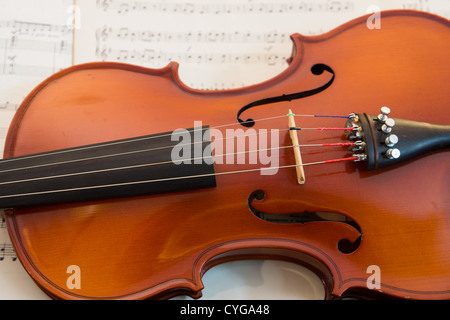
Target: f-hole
(316,69)
(344,245)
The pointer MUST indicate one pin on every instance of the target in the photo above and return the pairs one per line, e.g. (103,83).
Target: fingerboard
(122,168)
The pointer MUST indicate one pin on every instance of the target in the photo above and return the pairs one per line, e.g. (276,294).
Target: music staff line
(35,28)
(15,43)
(227,7)
(18,69)
(6,249)
(7,105)
(157,57)
(33,57)
(107,33)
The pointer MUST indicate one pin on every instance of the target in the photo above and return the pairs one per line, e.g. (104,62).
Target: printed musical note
(156,57)
(7,252)
(8,106)
(107,33)
(222,7)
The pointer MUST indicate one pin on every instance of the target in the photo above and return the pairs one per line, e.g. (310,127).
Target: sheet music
(219,44)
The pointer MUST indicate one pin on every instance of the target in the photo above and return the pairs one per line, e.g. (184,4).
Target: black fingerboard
(122,168)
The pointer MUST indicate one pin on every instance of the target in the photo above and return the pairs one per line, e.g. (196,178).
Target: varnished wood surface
(157,246)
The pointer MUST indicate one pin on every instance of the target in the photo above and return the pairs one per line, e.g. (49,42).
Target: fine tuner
(391,139)
(383,141)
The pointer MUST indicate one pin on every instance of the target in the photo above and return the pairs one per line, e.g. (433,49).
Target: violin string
(150,149)
(137,139)
(176,178)
(170,161)
(132,152)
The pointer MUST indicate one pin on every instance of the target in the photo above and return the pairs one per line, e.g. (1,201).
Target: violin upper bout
(297,49)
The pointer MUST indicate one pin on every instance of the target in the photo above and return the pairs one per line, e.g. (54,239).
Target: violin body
(160,245)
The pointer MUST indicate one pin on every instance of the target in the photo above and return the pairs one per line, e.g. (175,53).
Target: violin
(120,182)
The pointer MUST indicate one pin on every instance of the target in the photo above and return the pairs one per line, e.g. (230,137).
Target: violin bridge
(296,147)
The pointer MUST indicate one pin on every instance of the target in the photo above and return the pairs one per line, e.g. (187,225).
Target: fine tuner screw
(383,116)
(391,140)
(393,153)
(387,126)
